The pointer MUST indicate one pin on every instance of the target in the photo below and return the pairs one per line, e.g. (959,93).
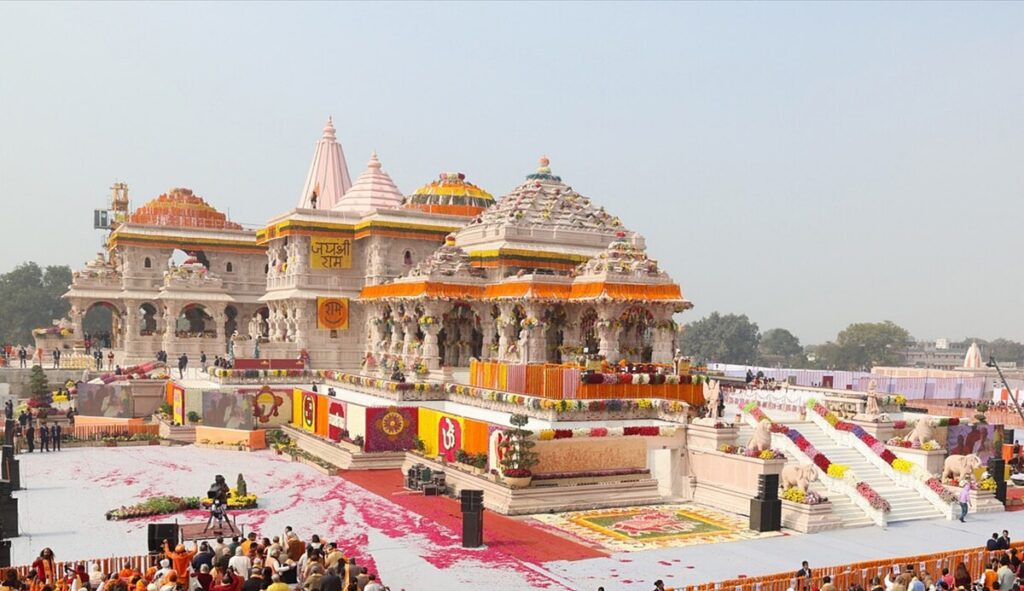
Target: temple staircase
(907,504)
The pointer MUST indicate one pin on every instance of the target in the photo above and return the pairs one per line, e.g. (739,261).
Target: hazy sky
(810,165)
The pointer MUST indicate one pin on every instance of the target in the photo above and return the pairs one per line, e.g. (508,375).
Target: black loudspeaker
(5,554)
(1007,436)
(471,500)
(768,487)
(997,469)
(473,529)
(9,432)
(14,474)
(9,517)
(158,532)
(765,515)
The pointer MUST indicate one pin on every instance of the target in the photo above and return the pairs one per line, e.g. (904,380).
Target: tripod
(219,512)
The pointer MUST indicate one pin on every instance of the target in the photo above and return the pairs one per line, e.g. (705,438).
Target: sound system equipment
(471,500)
(1008,436)
(9,517)
(765,515)
(158,532)
(431,490)
(9,430)
(10,469)
(997,471)
(768,487)
(472,505)
(5,554)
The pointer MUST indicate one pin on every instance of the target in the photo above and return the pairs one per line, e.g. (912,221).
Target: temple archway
(636,342)
(194,322)
(147,319)
(102,325)
(554,318)
(591,343)
(230,322)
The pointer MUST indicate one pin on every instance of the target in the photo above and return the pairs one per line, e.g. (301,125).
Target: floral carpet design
(656,526)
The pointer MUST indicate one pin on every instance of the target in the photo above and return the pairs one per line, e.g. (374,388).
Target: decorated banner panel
(306,403)
(441,433)
(337,416)
(330,252)
(176,398)
(227,410)
(332,313)
(356,421)
(309,411)
(474,436)
(983,440)
(590,454)
(270,407)
(104,400)
(391,429)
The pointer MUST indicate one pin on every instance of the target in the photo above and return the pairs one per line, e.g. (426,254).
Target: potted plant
(479,463)
(193,416)
(517,453)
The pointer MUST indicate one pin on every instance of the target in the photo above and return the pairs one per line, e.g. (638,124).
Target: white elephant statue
(922,433)
(958,466)
(761,440)
(798,475)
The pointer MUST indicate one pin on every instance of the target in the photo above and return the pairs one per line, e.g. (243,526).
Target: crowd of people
(284,563)
(1002,573)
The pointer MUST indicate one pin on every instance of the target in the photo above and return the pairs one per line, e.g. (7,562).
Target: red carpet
(510,536)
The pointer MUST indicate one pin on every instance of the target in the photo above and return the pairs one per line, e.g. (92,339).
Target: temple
(359,275)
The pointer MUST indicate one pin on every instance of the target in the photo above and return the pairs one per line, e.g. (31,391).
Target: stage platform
(195,532)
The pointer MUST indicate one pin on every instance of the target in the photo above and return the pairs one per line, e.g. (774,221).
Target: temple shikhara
(518,351)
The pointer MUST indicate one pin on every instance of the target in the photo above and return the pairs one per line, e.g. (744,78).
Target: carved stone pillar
(409,346)
(397,337)
(77,314)
(131,324)
(430,349)
(534,336)
(608,332)
(662,350)
(300,320)
(170,339)
(489,331)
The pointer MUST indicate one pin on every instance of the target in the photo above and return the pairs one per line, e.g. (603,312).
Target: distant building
(941,354)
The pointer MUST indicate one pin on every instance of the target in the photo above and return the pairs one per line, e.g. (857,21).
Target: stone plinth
(880,431)
(728,481)
(709,438)
(809,518)
(929,460)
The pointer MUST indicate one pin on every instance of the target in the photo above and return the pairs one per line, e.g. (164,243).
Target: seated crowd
(283,563)
(1001,573)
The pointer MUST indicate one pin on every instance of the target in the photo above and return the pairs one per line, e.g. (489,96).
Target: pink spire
(373,190)
(328,176)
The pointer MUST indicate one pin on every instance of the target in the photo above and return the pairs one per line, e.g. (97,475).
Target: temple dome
(179,207)
(451,194)
(328,176)
(545,201)
(373,190)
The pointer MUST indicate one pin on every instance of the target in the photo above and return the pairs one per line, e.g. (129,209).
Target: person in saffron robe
(46,567)
(181,559)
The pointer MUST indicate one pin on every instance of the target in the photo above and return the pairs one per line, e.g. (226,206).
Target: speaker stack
(997,470)
(766,508)
(472,502)
(10,468)
(158,532)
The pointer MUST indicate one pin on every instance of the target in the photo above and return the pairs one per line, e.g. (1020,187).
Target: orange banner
(332,313)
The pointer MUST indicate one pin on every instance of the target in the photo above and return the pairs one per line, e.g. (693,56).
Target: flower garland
(873,498)
(549,434)
(252,374)
(768,454)
(795,495)
(379,383)
(930,445)
(989,484)
(936,485)
(536,403)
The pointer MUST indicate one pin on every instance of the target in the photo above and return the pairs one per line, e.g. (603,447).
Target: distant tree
(39,387)
(1005,350)
(864,345)
(30,297)
(779,346)
(721,338)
